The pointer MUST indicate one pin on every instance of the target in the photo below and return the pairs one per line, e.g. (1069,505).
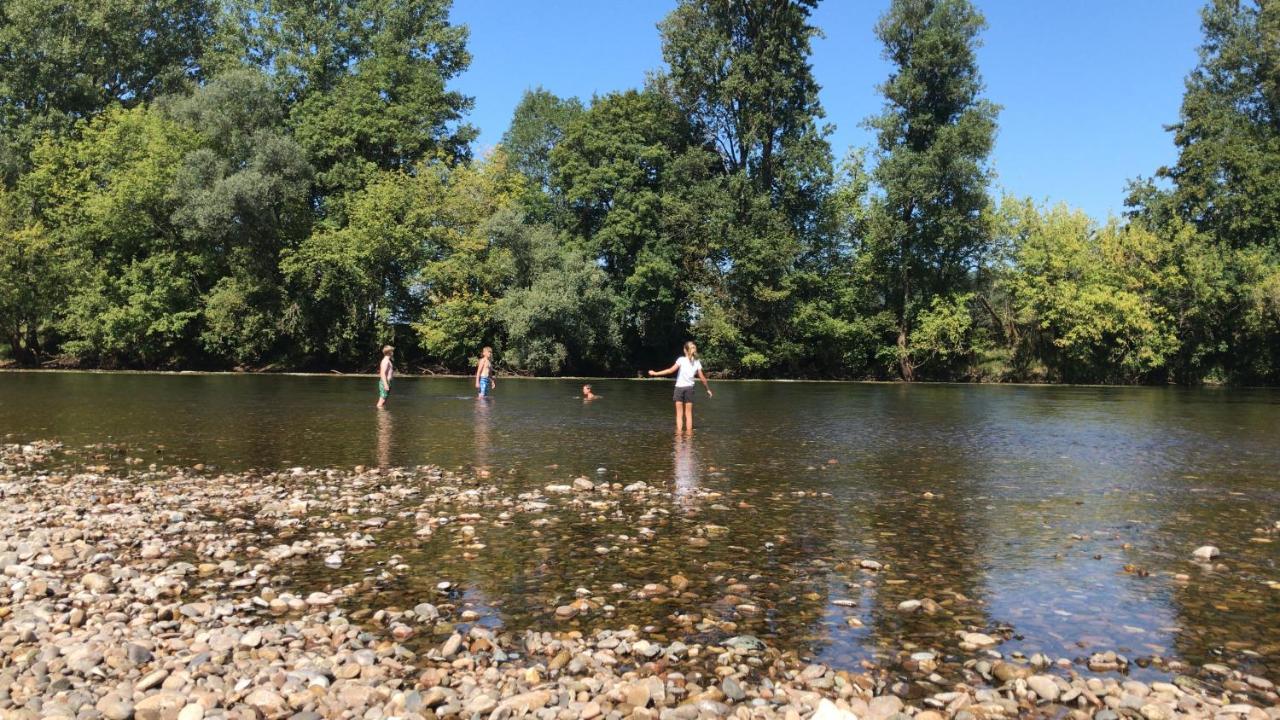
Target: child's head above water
(387,350)
(487,351)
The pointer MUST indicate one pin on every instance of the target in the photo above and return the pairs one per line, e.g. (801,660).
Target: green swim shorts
(383,393)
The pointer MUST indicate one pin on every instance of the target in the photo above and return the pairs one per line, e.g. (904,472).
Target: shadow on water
(1060,519)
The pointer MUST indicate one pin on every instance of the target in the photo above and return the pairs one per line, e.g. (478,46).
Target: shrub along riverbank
(265,186)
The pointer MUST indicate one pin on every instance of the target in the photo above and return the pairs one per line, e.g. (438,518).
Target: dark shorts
(684,394)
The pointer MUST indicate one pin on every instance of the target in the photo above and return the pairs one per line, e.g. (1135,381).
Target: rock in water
(1206,553)
(979,640)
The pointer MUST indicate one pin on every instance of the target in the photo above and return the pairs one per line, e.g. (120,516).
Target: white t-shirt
(686,371)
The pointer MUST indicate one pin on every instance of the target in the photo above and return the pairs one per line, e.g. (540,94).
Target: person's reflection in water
(384,438)
(687,471)
(483,428)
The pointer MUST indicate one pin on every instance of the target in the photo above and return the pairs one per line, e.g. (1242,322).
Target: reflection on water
(1060,519)
(483,426)
(687,471)
(384,438)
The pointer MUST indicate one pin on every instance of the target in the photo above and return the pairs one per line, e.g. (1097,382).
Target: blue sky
(1086,86)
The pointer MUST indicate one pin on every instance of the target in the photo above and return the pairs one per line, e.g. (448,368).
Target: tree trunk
(1008,331)
(21,355)
(904,357)
(904,352)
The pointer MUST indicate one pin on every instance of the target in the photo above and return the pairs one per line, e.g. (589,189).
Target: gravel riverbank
(132,591)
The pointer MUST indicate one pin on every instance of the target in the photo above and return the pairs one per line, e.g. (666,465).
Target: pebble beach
(136,591)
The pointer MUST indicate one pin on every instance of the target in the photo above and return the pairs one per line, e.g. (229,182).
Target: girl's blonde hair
(690,350)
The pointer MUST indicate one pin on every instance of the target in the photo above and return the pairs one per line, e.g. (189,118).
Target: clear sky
(1086,86)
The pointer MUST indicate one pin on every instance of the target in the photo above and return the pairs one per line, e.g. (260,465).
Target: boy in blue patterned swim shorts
(484,372)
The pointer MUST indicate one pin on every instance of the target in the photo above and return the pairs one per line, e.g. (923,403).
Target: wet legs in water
(684,417)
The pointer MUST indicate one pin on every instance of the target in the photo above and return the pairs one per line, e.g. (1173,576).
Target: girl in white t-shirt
(686,369)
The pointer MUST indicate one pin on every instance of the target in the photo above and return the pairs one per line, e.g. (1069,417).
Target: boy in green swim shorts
(385,370)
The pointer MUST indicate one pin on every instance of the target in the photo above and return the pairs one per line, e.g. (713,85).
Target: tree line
(291,184)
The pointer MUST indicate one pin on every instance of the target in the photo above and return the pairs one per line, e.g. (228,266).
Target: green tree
(928,229)
(537,125)
(1220,209)
(1227,177)
(740,71)
(469,268)
(366,81)
(629,170)
(109,197)
(244,199)
(838,324)
(559,315)
(35,276)
(350,286)
(67,61)
(1094,298)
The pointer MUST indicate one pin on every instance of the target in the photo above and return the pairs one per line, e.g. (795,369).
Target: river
(1063,517)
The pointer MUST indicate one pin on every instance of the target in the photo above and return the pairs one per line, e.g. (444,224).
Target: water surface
(1061,518)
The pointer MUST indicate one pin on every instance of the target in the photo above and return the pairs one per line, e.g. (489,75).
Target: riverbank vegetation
(259,184)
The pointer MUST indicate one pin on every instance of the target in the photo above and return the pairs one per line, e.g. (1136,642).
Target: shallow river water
(1063,519)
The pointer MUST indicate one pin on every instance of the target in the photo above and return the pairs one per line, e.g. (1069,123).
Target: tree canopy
(291,184)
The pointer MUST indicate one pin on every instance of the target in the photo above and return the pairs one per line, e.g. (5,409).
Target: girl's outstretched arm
(669,371)
(703,378)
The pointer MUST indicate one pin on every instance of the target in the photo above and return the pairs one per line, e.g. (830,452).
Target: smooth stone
(164,705)
(451,646)
(979,639)
(525,703)
(138,654)
(268,702)
(93,582)
(481,704)
(114,708)
(884,706)
(1206,552)
(1044,687)
(828,710)
(151,679)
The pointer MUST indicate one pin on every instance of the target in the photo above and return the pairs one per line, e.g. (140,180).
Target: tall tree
(1227,177)
(67,61)
(740,69)
(933,139)
(628,168)
(537,125)
(1225,185)
(367,80)
(244,199)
